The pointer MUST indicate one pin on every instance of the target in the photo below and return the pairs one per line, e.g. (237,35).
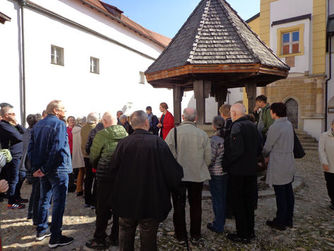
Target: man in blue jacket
(50,158)
(11,138)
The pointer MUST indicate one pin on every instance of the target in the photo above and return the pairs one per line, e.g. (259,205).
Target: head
(261,101)
(92,118)
(189,114)
(56,108)
(139,120)
(163,107)
(218,122)
(123,118)
(44,114)
(237,111)
(32,120)
(107,120)
(278,110)
(70,121)
(119,113)
(224,111)
(7,113)
(38,116)
(148,110)
(81,121)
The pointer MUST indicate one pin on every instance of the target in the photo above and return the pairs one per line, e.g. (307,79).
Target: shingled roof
(214,34)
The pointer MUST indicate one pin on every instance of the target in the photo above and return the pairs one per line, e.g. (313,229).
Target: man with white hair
(245,146)
(101,152)
(92,120)
(50,157)
(145,174)
(191,147)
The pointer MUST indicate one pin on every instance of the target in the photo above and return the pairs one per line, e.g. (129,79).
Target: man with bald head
(145,175)
(245,146)
(191,147)
(103,147)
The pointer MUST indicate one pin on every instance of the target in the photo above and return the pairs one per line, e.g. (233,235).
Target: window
(290,41)
(141,78)
(57,55)
(94,65)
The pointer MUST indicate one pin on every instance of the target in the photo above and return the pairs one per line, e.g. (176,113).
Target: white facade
(115,87)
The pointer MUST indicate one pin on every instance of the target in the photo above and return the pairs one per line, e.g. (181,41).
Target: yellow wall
(255,25)
(319,37)
(265,21)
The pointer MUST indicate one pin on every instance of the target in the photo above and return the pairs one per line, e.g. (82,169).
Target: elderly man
(245,147)
(11,137)
(145,174)
(101,152)
(89,176)
(49,153)
(192,149)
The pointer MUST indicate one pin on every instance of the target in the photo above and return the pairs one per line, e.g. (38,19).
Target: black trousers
(285,202)
(88,184)
(244,200)
(179,217)
(148,234)
(103,213)
(329,177)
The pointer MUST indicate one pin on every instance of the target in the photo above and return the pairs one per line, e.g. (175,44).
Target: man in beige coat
(326,154)
(193,152)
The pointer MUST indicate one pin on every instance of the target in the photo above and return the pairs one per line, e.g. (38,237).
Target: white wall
(313,127)
(9,57)
(295,8)
(81,91)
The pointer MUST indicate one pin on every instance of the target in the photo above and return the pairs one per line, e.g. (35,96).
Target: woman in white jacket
(326,153)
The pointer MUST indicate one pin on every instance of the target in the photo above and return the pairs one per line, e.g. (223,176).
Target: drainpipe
(22,3)
(329,73)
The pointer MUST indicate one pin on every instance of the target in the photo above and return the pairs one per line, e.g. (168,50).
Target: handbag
(298,150)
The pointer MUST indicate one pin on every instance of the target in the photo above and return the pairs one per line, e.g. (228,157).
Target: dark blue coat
(11,138)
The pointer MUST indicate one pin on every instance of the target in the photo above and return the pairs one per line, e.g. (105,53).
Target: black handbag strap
(175,139)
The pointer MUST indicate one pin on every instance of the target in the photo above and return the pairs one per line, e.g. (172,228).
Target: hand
(3,186)
(266,160)
(325,167)
(256,108)
(159,125)
(38,173)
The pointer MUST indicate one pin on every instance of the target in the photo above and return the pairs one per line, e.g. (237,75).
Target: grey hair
(54,104)
(138,119)
(92,118)
(218,122)
(80,121)
(189,114)
(239,109)
(4,109)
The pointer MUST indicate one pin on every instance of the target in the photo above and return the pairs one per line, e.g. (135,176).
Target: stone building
(296,31)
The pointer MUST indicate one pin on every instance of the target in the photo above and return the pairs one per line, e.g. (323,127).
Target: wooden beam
(200,101)
(177,99)
(251,95)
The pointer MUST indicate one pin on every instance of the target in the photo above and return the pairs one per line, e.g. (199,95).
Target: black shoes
(97,244)
(79,193)
(275,225)
(237,238)
(60,241)
(211,228)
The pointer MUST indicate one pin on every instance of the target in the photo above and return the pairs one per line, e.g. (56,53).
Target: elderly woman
(166,122)
(326,153)
(278,150)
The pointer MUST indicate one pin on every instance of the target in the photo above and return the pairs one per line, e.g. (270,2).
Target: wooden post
(201,91)
(251,95)
(177,99)
(220,97)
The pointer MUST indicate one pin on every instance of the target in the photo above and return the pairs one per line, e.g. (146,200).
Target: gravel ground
(313,222)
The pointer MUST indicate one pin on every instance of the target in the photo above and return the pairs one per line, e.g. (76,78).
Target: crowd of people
(135,169)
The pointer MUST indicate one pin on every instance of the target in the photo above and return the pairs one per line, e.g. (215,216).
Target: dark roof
(4,18)
(292,19)
(215,34)
(253,17)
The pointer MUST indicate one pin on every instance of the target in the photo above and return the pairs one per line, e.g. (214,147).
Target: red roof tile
(151,35)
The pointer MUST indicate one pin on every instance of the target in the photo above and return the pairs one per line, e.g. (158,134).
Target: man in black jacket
(11,136)
(245,147)
(145,175)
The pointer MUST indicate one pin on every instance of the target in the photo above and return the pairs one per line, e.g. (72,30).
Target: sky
(167,16)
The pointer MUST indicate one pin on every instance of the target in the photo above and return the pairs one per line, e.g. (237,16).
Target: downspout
(22,3)
(329,73)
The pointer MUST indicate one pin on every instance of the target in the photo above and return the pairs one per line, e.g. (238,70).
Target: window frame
(91,59)
(61,61)
(291,29)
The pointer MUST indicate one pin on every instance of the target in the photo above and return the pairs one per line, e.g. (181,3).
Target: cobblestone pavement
(313,222)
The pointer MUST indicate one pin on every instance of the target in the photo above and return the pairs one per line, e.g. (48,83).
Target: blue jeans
(12,173)
(52,186)
(22,177)
(218,189)
(285,201)
(34,200)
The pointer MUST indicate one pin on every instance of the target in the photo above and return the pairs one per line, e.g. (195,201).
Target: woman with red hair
(166,122)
